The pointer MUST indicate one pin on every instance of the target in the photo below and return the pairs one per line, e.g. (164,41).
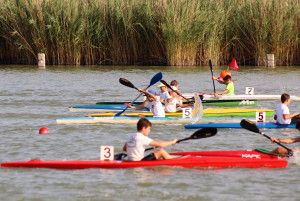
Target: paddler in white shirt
(153,103)
(283,151)
(283,115)
(175,102)
(137,143)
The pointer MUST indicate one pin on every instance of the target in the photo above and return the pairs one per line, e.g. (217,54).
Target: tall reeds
(163,32)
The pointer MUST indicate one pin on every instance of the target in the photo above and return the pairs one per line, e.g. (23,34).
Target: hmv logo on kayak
(251,156)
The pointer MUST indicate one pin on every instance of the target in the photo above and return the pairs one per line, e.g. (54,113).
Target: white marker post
(107,153)
(260,117)
(187,112)
(249,91)
(41,60)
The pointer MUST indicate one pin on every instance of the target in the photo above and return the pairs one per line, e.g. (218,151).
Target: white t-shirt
(156,107)
(136,146)
(165,95)
(282,109)
(171,106)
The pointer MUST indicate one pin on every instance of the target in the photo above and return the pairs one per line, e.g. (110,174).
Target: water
(32,98)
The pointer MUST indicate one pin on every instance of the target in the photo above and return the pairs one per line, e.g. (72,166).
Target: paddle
(202,133)
(249,125)
(179,94)
(127,83)
(167,85)
(212,74)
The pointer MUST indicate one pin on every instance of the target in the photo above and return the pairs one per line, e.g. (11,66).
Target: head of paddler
(285,98)
(227,79)
(163,88)
(144,126)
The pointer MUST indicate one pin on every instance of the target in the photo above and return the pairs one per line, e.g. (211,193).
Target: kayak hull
(118,106)
(208,112)
(206,159)
(269,125)
(134,120)
(259,97)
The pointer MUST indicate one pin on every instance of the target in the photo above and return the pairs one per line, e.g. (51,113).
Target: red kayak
(205,159)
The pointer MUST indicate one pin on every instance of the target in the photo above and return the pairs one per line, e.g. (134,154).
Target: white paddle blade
(197,112)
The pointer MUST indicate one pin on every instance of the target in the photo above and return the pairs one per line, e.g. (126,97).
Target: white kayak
(134,120)
(260,97)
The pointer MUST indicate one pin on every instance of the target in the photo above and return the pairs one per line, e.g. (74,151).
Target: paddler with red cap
(225,78)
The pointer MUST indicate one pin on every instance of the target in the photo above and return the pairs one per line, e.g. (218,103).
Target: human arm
(125,147)
(220,93)
(289,116)
(155,143)
(220,80)
(141,106)
(286,140)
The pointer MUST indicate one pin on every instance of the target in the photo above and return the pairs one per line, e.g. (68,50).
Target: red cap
(43,130)
(224,73)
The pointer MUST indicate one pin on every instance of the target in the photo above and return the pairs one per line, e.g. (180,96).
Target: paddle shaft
(167,85)
(188,138)
(212,75)
(289,150)
(250,126)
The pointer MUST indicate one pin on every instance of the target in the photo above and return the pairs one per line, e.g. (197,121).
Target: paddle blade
(249,125)
(210,65)
(212,74)
(157,77)
(202,133)
(126,83)
(197,111)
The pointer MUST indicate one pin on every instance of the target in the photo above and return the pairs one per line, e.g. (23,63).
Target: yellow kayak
(209,112)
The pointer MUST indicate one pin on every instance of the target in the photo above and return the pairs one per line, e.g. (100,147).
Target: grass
(164,32)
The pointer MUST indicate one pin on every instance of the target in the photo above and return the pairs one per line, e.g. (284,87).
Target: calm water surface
(32,98)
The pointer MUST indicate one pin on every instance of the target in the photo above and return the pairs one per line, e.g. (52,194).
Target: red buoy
(43,130)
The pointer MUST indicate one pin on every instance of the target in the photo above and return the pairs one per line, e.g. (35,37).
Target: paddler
(225,78)
(176,101)
(137,143)
(283,151)
(174,83)
(283,115)
(165,97)
(152,102)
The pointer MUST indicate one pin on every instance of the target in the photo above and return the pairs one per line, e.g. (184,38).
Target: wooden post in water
(41,60)
(270,60)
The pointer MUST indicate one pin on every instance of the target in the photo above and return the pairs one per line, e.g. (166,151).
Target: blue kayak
(270,125)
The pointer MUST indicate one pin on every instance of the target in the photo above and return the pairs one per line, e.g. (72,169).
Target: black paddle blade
(202,133)
(249,125)
(210,64)
(126,83)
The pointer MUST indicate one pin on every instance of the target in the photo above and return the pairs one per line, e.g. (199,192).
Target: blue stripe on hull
(269,125)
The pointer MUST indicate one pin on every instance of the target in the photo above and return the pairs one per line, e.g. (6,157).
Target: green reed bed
(147,32)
